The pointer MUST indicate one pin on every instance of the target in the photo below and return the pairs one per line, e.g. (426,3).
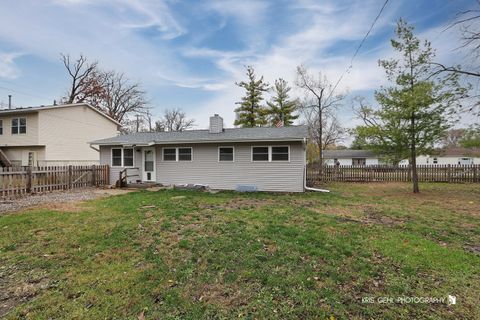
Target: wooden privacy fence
(18,181)
(426,173)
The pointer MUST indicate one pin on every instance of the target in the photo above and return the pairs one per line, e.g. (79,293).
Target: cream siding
(29,138)
(66,132)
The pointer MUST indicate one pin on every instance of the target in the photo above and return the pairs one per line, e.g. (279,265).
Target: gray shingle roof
(289,133)
(339,154)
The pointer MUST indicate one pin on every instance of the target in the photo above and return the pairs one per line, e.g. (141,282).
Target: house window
(19,125)
(225,154)
(116,157)
(280,153)
(260,153)
(177,154)
(271,153)
(128,157)
(122,157)
(435,160)
(169,154)
(1,126)
(184,154)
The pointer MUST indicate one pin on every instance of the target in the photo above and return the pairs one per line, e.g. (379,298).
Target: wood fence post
(449,173)
(29,179)
(93,176)
(70,176)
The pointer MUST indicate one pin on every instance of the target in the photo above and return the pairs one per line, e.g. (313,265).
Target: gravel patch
(53,197)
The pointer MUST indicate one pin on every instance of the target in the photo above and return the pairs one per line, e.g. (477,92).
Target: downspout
(305,172)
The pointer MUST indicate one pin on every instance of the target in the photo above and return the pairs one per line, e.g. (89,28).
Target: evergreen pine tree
(251,113)
(281,108)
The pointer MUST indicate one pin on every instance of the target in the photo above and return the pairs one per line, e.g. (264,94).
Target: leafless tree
(453,138)
(320,98)
(174,120)
(121,97)
(110,91)
(332,130)
(84,77)
(469,23)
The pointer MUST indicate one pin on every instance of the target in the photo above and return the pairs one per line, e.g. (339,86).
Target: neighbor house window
(122,157)
(435,160)
(225,154)
(1,126)
(271,153)
(184,154)
(169,154)
(177,154)
(280,153)
(19,125)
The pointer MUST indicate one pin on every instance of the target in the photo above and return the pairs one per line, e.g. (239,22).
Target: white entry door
(148,173)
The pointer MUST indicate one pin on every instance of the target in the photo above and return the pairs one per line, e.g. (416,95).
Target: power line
(349,68)
(24,93)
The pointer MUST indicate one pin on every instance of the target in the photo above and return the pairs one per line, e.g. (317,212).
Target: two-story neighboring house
(52,135)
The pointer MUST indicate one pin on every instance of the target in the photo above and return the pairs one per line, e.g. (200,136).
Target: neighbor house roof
(290,133)
(458,152)
(49,107)
(340,154)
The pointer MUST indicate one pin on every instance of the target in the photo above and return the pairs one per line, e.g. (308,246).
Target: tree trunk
(413,157)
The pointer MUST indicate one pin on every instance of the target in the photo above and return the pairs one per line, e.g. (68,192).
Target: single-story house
(452,156)
(349,157)
(53,135)
(263,158)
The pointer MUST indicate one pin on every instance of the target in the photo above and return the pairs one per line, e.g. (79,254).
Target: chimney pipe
(9,101)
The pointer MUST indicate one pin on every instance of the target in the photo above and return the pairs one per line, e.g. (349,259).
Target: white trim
(269,153)
(233,153)
(122,165)
(154,172)
(177,156)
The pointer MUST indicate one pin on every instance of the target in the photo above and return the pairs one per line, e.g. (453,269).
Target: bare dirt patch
(64,200)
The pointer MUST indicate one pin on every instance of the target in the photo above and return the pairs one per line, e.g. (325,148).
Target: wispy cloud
(8,68)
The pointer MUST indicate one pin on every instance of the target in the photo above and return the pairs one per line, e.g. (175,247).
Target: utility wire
(349,68)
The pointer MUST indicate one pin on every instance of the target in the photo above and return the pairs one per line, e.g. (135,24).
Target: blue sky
(188,54)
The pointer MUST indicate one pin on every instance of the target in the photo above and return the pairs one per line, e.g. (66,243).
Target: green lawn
(193,255)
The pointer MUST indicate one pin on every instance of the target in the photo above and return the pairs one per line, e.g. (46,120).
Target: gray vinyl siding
(105,158)
(206,169)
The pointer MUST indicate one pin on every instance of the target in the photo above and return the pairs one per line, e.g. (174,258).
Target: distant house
(452,156)
(262,158)
(350,157)
(52,135)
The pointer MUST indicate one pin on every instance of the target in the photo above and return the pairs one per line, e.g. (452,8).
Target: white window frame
(177,154)
(18,125)
(122,158)
(233,154)
(270,153)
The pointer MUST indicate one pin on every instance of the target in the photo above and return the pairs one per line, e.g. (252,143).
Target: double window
(177,154)
(122,157)
(225,154)
(19,125)
(270,153)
